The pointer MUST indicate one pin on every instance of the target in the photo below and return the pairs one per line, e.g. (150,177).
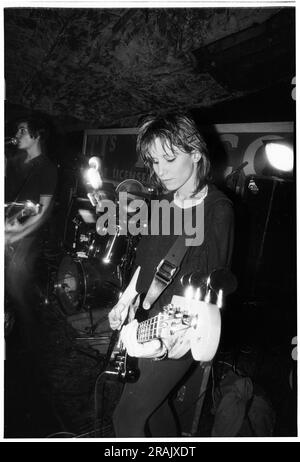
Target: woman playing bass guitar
(178,160)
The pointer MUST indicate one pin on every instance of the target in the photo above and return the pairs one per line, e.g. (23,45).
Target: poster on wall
(242,145)
(116,148)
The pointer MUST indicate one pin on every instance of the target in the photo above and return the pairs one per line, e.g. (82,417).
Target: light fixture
(93,178)
(280,156)
(95,162)
(92,174)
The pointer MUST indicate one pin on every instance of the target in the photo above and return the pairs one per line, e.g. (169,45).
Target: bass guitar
(187,323)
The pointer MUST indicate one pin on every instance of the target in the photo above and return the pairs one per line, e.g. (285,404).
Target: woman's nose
(160,169)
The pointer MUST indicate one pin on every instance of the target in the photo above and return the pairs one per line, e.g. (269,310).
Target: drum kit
(95,268)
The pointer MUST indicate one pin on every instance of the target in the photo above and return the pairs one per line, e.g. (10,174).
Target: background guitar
(18,211)
(15,211)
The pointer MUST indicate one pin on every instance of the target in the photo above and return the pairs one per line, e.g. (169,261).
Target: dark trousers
(144,404)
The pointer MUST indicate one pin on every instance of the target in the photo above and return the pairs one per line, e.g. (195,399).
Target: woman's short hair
(174,131)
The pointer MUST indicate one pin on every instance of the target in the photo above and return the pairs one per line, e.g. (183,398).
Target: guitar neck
(149,329)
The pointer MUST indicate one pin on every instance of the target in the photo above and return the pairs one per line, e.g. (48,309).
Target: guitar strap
(166,271)
(168,267)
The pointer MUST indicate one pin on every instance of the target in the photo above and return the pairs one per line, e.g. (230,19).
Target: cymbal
(137,193)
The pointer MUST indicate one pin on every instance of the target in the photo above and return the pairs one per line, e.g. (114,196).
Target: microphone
(13,141)
(236,170)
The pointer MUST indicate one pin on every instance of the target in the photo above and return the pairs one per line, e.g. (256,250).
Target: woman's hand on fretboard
(152,349)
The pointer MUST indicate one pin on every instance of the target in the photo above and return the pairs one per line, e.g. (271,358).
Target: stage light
(93,178)
(92,174)
(280,156)
(95,163)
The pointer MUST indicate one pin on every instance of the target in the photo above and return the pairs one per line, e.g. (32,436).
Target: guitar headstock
(200,307)
(211,288)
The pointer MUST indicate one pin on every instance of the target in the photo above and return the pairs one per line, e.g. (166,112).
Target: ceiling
(102,67)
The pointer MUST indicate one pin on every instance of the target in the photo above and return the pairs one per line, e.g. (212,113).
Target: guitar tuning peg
(208,283)
(220,298)
(198,294)
(207,298)
(169,308)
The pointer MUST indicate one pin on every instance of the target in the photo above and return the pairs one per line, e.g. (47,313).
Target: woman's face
(176,169)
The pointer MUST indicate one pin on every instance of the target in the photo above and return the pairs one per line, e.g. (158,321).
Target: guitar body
(184,325)
(205,329)
(194,326)
(123,367)
(205,333)
(119,363)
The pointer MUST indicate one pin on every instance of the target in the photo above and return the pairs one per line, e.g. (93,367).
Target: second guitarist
(30,176)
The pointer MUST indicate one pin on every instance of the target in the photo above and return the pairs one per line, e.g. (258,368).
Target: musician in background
(30,176)
(178,159)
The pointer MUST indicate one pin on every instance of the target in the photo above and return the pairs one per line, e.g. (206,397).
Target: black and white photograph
(150,225)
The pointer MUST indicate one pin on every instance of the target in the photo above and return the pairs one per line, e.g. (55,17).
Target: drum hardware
(95,197)
(110,246)
(135,191)
(133,187)
(93,274)
(93,249)
(84,283)
(76,221)
(85,241)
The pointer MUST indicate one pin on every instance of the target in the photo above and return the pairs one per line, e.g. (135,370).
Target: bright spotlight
(280,156)
(95,162)
(93,178)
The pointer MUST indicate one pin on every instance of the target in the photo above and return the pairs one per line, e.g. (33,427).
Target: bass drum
(84,284)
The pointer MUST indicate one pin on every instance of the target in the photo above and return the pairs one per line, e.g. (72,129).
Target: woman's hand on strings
(152,349)
(118,315)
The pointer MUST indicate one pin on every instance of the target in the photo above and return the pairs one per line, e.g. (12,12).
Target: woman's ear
(196,156)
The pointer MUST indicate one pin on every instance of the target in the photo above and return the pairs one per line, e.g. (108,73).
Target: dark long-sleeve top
(214,252)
